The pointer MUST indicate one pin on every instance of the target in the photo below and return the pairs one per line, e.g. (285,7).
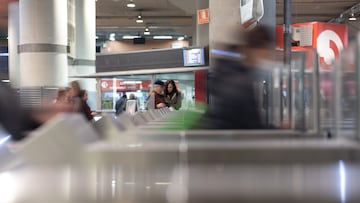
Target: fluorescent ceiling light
(162,37)
(96,37)
(181,38)
(131,4)
(130,37)
(5,81)
(4,54)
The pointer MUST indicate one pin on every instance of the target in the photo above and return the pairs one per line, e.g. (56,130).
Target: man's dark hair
(260,37)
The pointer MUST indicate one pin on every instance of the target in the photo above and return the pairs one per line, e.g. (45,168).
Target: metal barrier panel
(357,68)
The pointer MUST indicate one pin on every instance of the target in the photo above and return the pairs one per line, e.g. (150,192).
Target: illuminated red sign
(124,85)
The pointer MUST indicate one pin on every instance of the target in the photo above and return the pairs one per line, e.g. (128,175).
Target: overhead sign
(203,16)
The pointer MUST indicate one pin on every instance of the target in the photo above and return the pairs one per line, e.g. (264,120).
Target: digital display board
(194,57)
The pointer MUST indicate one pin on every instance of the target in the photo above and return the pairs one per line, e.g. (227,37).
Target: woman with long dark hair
(172,95)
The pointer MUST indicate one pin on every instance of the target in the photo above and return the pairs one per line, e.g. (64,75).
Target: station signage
(108,85)
(326,38)
(203,16)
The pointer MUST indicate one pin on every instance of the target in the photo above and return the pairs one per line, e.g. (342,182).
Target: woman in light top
(172,95)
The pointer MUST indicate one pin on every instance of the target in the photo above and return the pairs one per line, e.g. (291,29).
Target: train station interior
(179,101)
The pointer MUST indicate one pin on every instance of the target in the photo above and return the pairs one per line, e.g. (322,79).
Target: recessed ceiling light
(352,18)
(181,38)
(112,37)
(139,19)
(147,31)
(131,4)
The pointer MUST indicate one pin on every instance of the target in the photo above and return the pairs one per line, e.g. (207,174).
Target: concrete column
(43,43)
(85,46)
(224,16)
(202,31)
(13,42)
(269,17)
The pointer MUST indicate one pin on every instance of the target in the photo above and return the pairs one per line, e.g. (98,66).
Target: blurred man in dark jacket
(231,83)
(13,117)
(17,120)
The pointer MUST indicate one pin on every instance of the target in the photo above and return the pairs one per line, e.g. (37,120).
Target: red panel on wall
(200,86)
(124,86)
(326,38)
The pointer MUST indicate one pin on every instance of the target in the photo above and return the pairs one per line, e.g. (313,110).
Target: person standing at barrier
(231,84)
(85,107)
(173,97)
(74,96)
(78,98)
(133,98)
(120,105)
(61,96)
(156,99)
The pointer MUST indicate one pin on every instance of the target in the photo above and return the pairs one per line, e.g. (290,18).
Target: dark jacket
(13,117)
(154,99)
(87,111)
(234,105)
(120,105)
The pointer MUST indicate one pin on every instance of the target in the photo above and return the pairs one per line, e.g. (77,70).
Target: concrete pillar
(43,43)
(202,31)
(224,16)
(269,17)
(13,42)
(85,46)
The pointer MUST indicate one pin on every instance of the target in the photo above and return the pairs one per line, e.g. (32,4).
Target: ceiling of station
(164,18)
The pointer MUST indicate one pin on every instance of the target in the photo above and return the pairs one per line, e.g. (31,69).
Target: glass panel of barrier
(346,93)
(357,70)
(297,90)
(339,94)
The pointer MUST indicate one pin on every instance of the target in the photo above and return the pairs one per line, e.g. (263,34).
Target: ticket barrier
(71,162)
(181,170)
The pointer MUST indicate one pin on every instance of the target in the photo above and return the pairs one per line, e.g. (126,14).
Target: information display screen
(194,57)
